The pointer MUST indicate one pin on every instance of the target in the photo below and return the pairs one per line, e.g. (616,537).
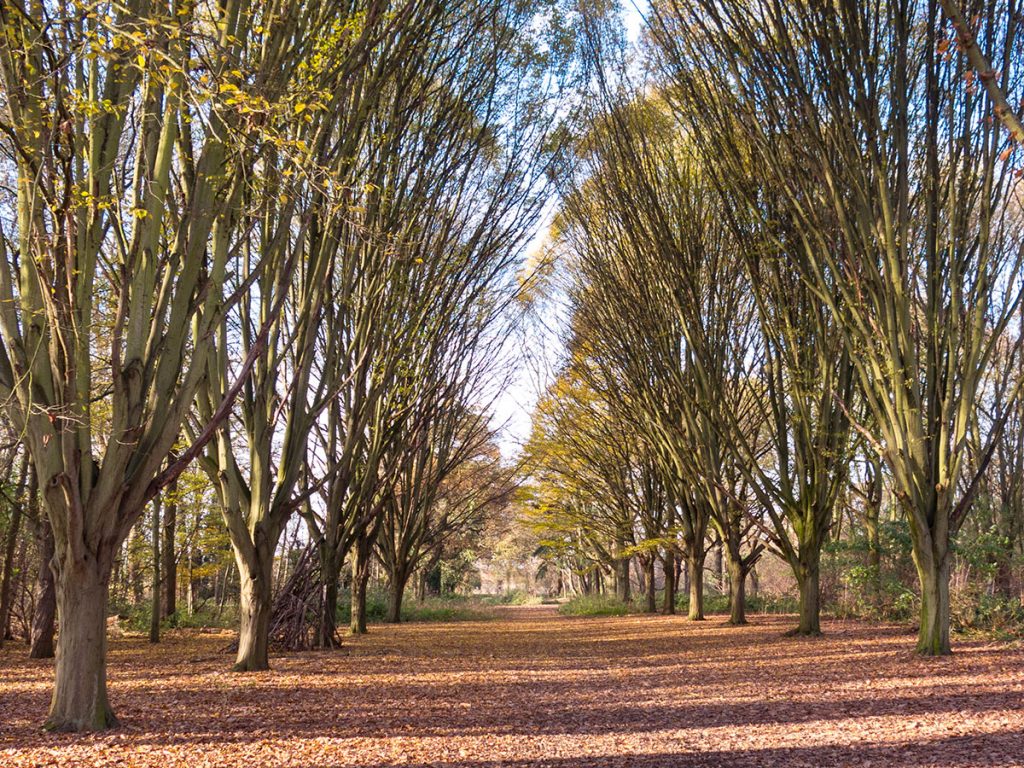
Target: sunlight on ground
(536,689)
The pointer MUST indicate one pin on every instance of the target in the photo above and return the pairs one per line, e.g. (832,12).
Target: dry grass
(536,689)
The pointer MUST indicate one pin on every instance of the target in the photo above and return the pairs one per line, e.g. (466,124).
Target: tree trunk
(695,573)
(421,587)
(360,575)
(330,576)
(134,573)
(622,586)
(46,597)
(933,634)
(255,608)
(170,562)
(396,591)
(716,566)
(737,588)
(79,700)
(154,614)
(669,604)
(808,580)
(329,613)
(190,596)
(6,593)
(225,585)
(874,553)
(652,587)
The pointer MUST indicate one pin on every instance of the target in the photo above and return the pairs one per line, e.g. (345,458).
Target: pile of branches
(294,621)
(295,618)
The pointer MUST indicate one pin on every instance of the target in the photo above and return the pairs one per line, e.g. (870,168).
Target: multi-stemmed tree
(452,180)
(132,132)
(867,121)
(292,233)
(662,303)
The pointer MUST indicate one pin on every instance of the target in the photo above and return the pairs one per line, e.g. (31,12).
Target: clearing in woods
(531,688)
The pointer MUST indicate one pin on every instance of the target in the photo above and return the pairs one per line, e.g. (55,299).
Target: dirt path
(535,689)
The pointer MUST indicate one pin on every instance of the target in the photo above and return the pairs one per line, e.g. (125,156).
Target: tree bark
(396,591)
(255,608)
(737,587)
(79,700)
(669,603)
(360,575)
(933,633)
(622,585)
(652,587)
(41,643)
(810,591)
(874,553)
(716,566)
(170,562)
(6,594)
(154,614)
(695,574)
(328,612)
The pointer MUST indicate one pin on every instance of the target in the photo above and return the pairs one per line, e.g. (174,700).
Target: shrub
(513,597)
(715,603)
(434,608)
(594,605)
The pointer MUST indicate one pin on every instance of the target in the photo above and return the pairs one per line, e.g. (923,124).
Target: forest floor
(531,688)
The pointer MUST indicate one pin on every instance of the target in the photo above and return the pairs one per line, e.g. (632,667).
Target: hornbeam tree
(130,130)
(868,122)
(452,183)
(288,254)
(661,299)
(581,447)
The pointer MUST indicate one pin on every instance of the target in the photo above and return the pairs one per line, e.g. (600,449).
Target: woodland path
(531,688)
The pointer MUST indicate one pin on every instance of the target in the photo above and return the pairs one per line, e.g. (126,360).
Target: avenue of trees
(269,244)
(793,237)
(262,274)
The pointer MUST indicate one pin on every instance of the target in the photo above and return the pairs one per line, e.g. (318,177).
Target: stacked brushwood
(294,620)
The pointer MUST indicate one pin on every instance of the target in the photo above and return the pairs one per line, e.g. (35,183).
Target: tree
(582,450)
(285,225)
(661,300)
(453,181)
(131,132)
(913,249)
